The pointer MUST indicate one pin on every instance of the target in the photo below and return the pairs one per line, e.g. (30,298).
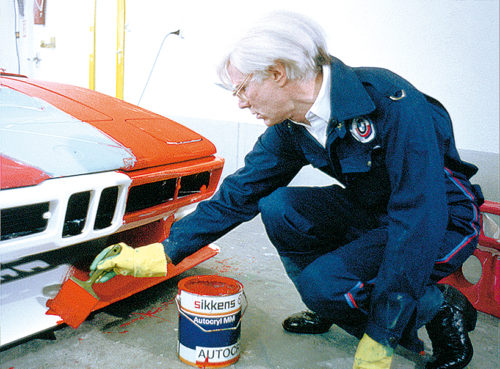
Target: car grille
(107,207)
(194,183)
(76,214)
(148,195)
(31,219)
(60,212)
(23,220)
(71,210)
(78,207)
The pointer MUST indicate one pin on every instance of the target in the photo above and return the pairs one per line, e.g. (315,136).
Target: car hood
(50,130)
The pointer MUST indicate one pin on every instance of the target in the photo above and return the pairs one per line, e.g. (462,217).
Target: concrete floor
(141,332)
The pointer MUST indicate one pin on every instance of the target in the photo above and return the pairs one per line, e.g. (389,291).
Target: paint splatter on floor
(230,265)
(224,266)
(151,313)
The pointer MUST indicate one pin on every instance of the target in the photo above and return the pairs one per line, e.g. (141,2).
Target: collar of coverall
(348,97)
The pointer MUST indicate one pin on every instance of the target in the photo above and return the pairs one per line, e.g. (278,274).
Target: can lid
(210,285)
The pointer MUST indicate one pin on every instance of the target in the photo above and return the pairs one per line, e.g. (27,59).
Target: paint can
(210,311)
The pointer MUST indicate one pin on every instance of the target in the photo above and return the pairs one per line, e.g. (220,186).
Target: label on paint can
(217,354)
(210,305)
(210,311)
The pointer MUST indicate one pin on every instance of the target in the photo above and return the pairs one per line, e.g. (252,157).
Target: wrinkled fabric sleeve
(416,217)
(272,163)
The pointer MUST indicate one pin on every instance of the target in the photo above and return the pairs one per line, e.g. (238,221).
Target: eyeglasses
(239,91)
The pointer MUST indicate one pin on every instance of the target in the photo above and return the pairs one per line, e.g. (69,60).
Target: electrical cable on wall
(178,33)
(16,37)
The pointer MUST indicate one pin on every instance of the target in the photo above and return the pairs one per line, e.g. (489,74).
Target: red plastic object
(485,294)
(73,303)
(121,287)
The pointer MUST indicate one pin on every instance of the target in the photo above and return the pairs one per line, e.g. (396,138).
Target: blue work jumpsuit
(366,255)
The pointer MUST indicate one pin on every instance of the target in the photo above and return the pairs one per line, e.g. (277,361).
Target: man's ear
(277,73)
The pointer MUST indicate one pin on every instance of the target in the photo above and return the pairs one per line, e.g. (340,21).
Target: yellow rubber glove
(372,355)
(145,261)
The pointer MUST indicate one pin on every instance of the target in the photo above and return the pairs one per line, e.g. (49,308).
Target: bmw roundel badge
(362,129)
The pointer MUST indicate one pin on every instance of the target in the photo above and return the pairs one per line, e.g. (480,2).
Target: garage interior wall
(448,49)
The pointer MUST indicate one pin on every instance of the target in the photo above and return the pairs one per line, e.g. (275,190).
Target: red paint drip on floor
(151,313)
(226,266)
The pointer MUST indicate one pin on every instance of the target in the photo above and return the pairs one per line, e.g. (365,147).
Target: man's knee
(289,228)
(321,291)
(327,286)
(311,290)
(274,206)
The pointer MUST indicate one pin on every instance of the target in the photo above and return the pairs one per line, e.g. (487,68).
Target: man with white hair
(366,255)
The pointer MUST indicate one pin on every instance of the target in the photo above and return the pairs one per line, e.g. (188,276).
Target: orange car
(80,170)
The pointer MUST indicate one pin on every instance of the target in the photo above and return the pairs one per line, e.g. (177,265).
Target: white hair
(289,38)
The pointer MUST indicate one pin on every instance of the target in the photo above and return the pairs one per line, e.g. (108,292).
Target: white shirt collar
(321,106)
(318,115)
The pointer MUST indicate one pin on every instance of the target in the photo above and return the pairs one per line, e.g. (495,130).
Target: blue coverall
(366,256)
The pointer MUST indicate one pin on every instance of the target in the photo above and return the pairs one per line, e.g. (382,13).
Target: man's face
(265,99)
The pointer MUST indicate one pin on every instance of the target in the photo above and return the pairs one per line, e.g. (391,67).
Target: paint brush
(76,298)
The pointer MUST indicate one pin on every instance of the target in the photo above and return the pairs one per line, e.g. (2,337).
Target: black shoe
(448,331)
(307,322)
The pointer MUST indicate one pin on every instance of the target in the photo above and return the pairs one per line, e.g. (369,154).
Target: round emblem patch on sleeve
(362,129)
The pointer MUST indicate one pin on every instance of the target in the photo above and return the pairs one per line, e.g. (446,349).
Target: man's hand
(145,261)
(372,355)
